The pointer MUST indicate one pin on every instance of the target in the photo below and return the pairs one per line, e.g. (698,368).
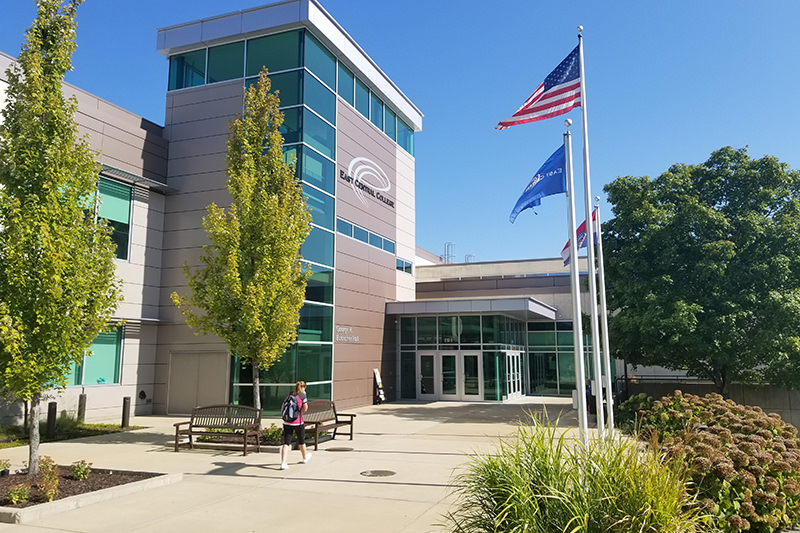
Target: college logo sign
(368,181)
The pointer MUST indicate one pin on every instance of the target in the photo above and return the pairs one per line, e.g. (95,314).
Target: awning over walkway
(520,308)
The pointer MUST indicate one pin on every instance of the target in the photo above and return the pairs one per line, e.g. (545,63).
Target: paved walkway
(422,443)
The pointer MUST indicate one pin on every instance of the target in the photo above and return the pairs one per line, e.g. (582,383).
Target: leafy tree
(703,269)
(57,283)
(251,286)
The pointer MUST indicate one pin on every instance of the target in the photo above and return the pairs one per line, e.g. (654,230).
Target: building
(479,331)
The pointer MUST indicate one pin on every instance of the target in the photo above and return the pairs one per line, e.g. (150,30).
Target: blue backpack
(290,409)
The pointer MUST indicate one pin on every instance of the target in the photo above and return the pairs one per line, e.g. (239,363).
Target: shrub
(744,464)
(19,493)
(5,464)
(48,486)
(80,470)
(542,483)
(273,433)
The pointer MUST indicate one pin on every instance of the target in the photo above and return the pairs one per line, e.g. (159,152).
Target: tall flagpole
(587,187)
(604,318)
(577,326)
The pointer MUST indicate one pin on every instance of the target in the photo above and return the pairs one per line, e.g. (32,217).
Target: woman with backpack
(292,411)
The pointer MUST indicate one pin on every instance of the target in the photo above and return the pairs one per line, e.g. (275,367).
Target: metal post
(126,411)
(51,420)
(82,408)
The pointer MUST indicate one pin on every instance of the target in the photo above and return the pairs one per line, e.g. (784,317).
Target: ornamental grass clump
(744,464)
(542,482)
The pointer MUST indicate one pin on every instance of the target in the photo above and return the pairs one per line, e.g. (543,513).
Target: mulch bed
(68,486)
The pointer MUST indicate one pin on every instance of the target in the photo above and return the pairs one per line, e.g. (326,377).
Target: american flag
(559,93)
(580,238)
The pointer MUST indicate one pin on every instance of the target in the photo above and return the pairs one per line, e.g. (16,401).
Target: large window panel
(282,51)
(320,98)
(389,126)
(319,287)
(290,87)
(115,207)
(344,227)
(322,206)
(408,330)
(316,323)
(320,61)
(103,366)
(318,247)
(346,85)
(376,110)
(226,62)
(187,70)
(292,127)
(315,362)
(405,137)
(319,134)
(362,98)
(318,170)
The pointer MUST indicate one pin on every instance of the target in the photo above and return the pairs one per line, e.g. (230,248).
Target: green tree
(252,283)
(703,269)
(57,282)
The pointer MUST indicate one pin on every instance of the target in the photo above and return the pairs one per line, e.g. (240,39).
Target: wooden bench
(242,421)
(322,416)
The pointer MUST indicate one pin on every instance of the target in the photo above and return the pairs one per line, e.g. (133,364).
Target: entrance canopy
(521,308)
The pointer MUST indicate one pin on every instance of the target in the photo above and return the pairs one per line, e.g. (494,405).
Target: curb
(11,515)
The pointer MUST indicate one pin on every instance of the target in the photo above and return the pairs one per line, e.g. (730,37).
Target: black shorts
(300,431)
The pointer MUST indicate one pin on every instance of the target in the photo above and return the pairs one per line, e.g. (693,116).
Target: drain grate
(377,473)
(340,449)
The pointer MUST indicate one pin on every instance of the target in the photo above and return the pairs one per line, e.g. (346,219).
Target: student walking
(293,408)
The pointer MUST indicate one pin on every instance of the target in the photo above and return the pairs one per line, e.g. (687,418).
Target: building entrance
(450,375)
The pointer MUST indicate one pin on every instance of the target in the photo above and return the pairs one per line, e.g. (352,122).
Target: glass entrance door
(473,376)
(449,373)
(513,375)
(426,389)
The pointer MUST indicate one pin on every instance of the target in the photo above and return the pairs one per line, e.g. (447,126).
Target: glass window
(320,98)
(321,206)
(115,207)
(408,330)
(102,366)
(448,330)
(319,287)
(314,362)
(362,98)
(318,247)
(407,268)
(388,246)
(187,70)
(290,85)
(470,329)
(319,134)
(316,323)
(320,61)
(426,330)
(542,338)
(282,51)
(292,125)
(226,62)
(405,137)
(376,110)
(344,227)
(376,240)
(361,234)
(290,157)
(318,170)
(389,123)
(347,83)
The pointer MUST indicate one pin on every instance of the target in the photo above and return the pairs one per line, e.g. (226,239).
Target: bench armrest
(179,424)
(351,415)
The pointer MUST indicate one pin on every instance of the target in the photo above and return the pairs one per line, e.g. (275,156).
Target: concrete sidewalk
(421,444)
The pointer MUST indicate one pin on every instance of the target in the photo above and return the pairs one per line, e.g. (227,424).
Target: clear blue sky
(667,82)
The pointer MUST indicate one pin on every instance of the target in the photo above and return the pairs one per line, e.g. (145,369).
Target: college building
(375,304)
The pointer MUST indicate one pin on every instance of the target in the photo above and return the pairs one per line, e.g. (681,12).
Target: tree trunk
(256,388)
(33,434)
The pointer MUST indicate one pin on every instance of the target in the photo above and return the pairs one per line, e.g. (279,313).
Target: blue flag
(550,179)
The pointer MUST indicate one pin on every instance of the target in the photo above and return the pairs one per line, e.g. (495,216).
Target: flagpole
(577,326)
(604,317)
(587,192)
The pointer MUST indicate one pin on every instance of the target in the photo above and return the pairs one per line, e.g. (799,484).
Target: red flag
(580,238)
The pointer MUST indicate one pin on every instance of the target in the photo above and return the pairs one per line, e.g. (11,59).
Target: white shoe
(284,466)
(307,459)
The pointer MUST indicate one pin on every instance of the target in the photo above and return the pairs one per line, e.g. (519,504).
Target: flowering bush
(19,493)
(744,463)
(81,469)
